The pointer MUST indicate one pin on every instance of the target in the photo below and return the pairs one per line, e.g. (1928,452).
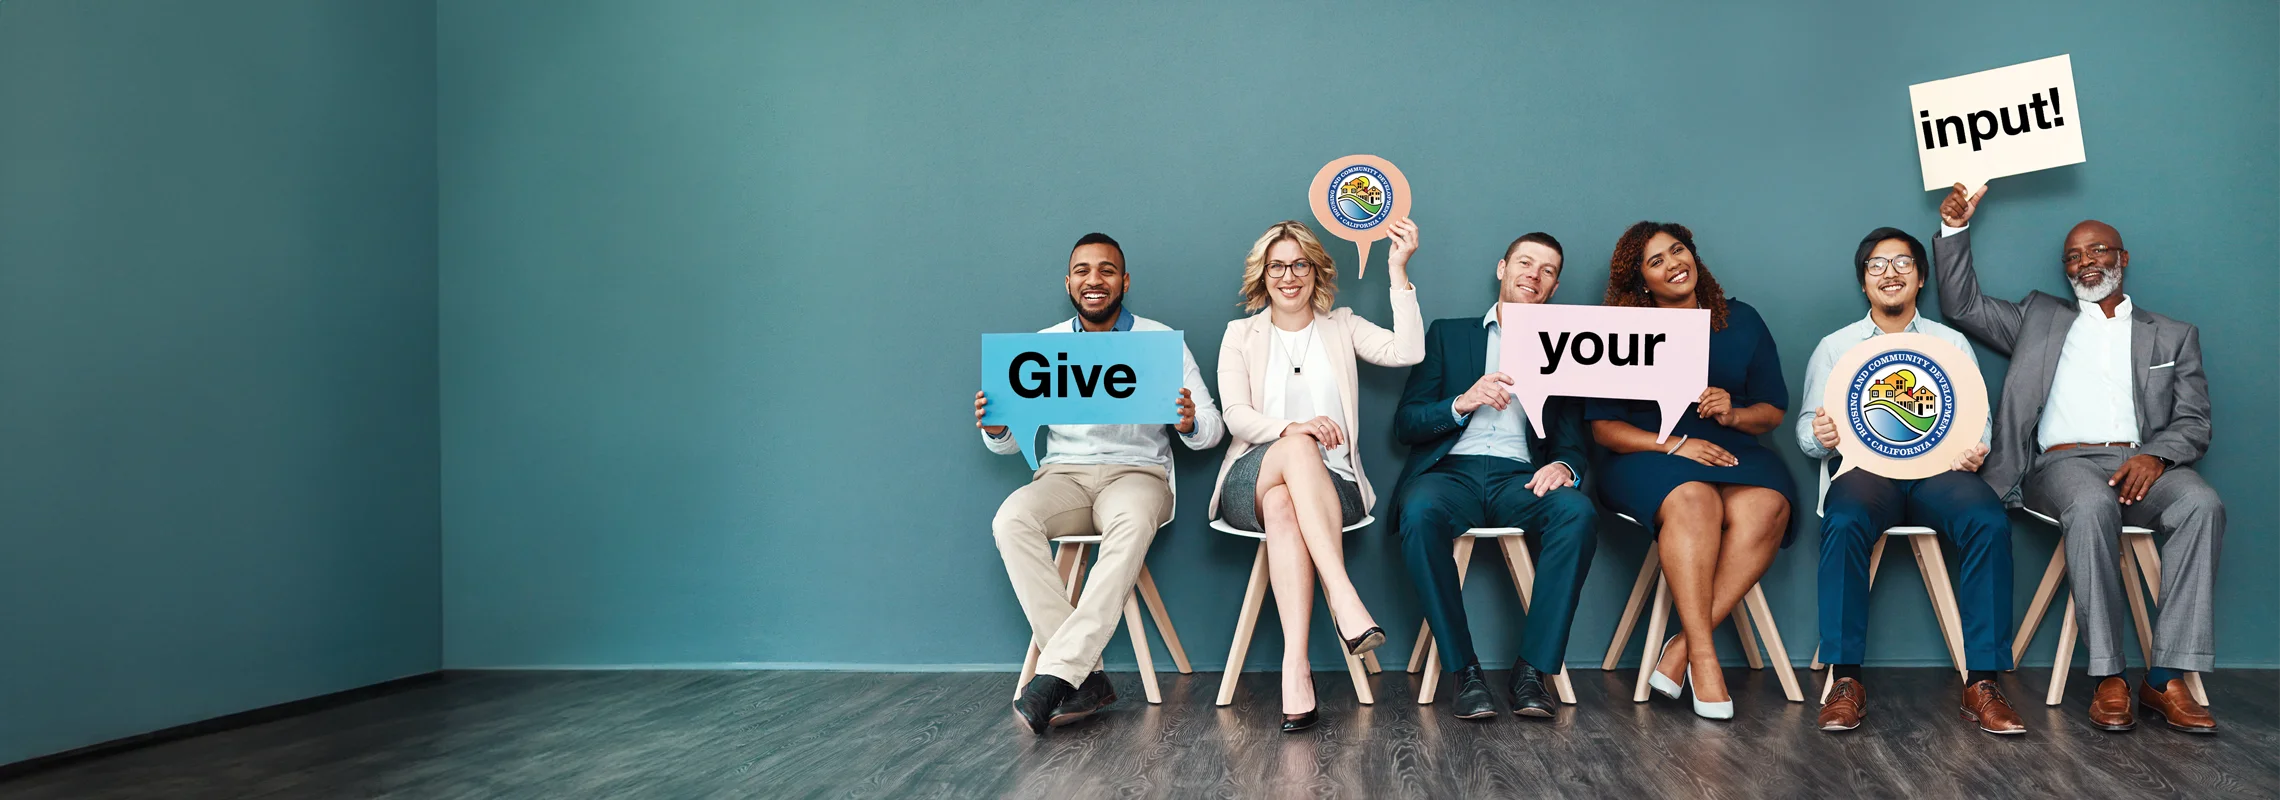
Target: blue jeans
(1960,505)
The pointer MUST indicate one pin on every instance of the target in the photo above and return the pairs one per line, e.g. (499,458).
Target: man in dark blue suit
(1474,462)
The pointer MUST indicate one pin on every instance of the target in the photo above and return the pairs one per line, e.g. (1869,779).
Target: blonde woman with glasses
(1293,470)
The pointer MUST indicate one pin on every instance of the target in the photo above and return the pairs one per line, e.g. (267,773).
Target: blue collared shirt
(1123,321)
(1489,432)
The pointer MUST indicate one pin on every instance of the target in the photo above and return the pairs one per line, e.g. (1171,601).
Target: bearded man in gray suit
(2103,414)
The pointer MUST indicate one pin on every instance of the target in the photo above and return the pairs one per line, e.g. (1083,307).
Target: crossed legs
(1717,541)
(1298,508)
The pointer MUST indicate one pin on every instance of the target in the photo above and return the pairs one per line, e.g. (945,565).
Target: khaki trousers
(1124,504)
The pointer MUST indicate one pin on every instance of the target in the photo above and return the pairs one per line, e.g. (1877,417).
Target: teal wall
(218,455)
(712,272)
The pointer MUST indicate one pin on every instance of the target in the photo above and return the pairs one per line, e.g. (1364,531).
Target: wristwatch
(2165,463)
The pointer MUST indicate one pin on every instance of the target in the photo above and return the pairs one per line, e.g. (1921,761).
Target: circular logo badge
(1900,404)
(1360,197)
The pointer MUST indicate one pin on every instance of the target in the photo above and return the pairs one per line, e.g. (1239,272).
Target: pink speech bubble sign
(1659,354)
(1355,198)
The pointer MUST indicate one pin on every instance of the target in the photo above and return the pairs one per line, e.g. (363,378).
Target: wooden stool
(1247,621)
(1929,561)
(2139,557)
(1427,653)
(1071,559)
(1753,605)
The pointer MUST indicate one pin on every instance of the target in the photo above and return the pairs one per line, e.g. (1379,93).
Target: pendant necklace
(1296,367)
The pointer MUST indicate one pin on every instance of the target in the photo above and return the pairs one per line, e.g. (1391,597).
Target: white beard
(2098,293)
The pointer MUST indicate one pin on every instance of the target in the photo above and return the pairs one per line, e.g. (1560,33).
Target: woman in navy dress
(1717,500)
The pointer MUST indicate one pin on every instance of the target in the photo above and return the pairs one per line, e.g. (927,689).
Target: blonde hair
(1255,266)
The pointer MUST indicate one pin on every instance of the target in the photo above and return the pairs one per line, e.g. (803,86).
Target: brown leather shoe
(2110,707)
(1983,703)
(1848,702)
(2174,704)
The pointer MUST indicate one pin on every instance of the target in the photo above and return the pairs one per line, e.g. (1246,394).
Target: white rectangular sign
(2005,121)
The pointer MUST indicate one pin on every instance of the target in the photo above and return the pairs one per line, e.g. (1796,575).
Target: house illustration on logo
(1900,388)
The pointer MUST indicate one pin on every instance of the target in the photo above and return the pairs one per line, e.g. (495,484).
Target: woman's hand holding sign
(1492,390)
(1716,405)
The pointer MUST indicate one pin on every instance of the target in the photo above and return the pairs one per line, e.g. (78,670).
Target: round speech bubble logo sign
(1907,404)
(1354,197)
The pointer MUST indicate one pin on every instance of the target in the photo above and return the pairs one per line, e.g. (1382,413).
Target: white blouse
(1309,391)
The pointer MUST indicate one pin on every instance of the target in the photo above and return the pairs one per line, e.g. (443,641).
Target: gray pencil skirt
(1239,497)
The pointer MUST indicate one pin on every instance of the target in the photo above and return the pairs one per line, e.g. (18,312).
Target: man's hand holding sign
(1040,379)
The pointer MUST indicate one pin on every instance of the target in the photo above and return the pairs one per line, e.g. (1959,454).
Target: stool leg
(1425,692)
(1147,588)
(1775,650)
(1639,591)
(1370,660)
(2064,660)
(2149,562)
(2138,612)
(2041,605)
(1417,651)
(1246,620)
(1140,651)
(1523,568)
(1065,559)
(1933,564)
(1354,667)
(1748,639)
(1656,621)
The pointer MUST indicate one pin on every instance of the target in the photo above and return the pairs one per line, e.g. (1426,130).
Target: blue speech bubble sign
(1112,378)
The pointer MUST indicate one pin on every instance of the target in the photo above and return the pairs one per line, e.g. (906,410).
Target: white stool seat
(1753,606)
(2138,556)
(1221,526)
(1247,620)
(1426,654)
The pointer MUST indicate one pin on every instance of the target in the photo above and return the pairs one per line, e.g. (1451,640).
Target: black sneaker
(1528,696)
(1090,697)
(1034,708)
(1473,700)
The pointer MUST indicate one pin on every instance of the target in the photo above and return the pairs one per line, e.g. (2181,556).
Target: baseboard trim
(1113,666)
(227,722)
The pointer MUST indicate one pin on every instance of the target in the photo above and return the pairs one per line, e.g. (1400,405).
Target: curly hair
(1310,248)
(1626,286)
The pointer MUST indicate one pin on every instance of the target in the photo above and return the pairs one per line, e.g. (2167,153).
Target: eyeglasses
(1295,269)
(1901,265)
(2096,252)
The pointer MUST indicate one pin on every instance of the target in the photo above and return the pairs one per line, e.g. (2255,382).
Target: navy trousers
(1860,506)
(1462,492)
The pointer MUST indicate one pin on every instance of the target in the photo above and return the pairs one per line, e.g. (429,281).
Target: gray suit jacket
(2172,401)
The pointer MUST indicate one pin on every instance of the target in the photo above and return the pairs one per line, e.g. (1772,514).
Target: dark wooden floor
(818,734)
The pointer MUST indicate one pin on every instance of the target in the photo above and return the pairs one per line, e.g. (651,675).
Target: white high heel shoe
(1662,685)
(1709,710)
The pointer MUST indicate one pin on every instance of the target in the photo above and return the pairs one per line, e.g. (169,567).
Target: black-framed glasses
(1295,269)
(1900,265)
(2097,252)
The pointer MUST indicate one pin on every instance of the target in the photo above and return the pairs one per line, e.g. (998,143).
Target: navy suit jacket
(1456,350)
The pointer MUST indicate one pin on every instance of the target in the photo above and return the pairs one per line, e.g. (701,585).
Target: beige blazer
(1345,336)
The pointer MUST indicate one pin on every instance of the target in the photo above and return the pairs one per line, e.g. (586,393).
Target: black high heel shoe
(1369,640)
(1293,723)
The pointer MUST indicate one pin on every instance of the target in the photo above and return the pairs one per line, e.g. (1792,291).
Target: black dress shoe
(1473,699)
(1528,696)
(1369,640)
(1034,708)
(1293,723)
(1091,696)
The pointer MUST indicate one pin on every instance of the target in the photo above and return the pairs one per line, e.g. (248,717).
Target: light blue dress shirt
(1834,346)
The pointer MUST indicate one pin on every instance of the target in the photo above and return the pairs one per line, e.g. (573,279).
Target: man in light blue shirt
(1890,267)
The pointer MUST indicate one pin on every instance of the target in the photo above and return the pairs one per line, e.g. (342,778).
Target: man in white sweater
(1112,479)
